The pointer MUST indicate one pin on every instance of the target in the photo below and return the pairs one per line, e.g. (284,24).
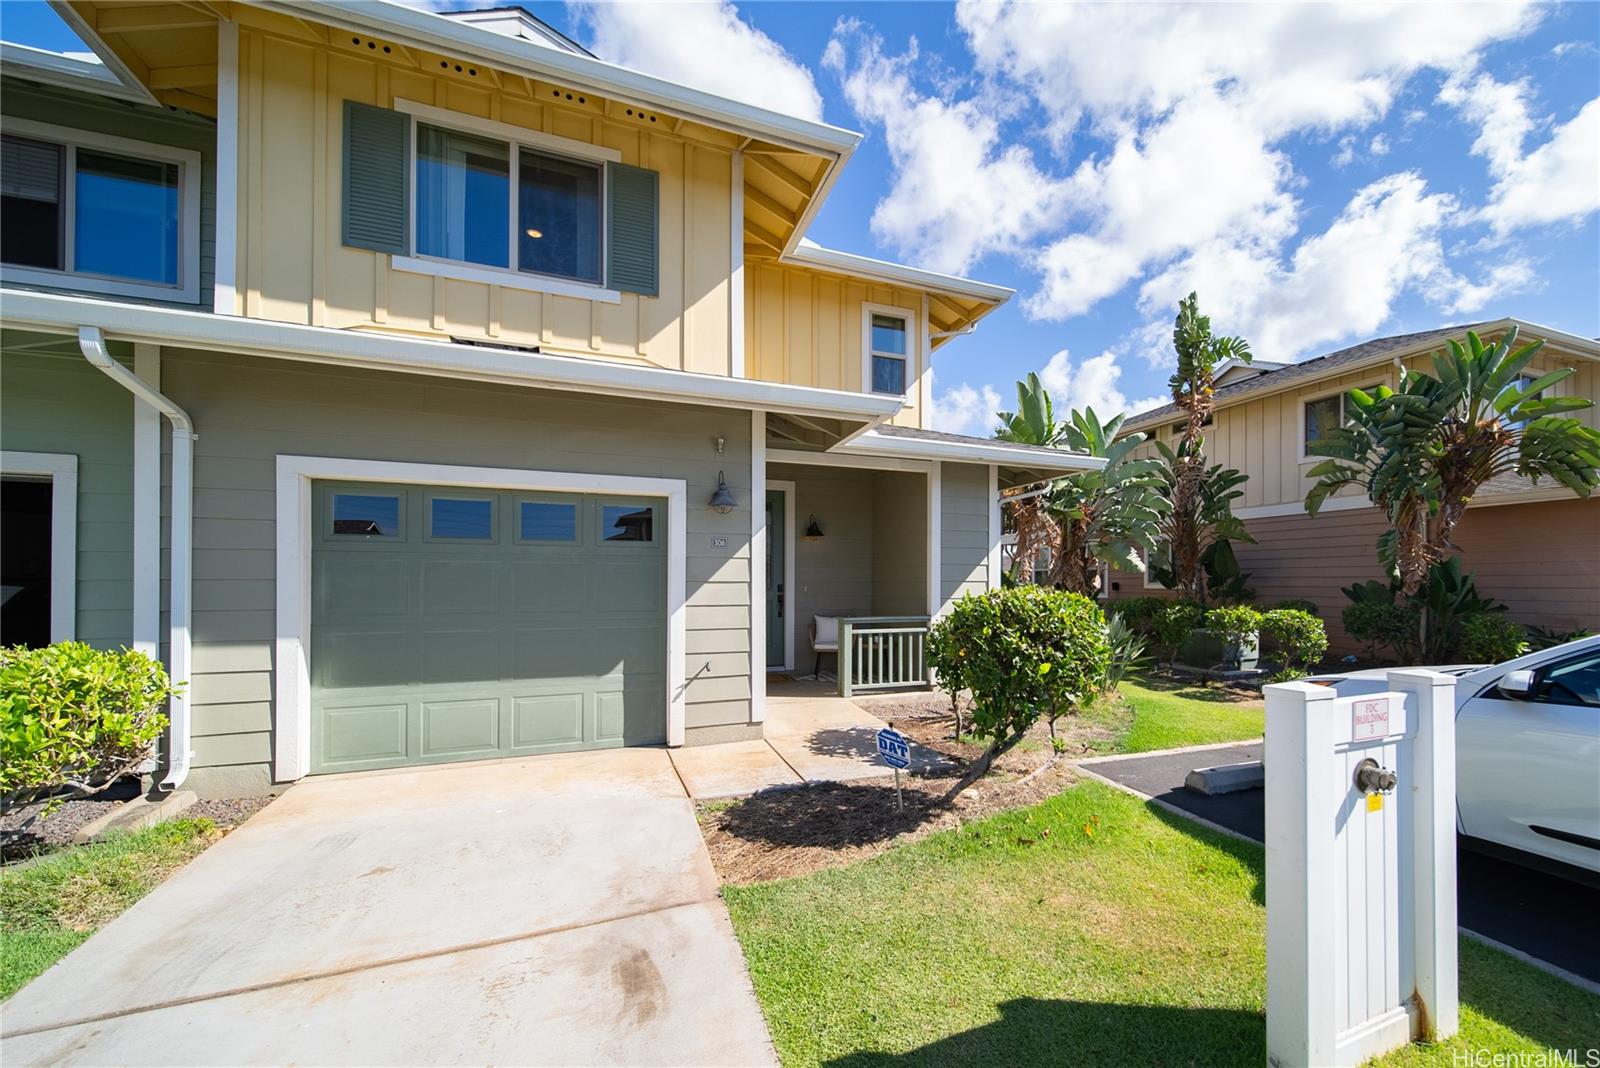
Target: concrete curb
(1169,752)
(137,814)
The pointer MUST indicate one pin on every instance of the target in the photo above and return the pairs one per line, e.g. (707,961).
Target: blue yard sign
(893,748)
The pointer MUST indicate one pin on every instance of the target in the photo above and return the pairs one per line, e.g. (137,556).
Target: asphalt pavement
(1545,916)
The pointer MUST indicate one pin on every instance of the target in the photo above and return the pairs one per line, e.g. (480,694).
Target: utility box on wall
(1361,869)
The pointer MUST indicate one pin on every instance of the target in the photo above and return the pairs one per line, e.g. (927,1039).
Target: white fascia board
(883,271)
(53,68)
(119,70)
(434,32)
(61,313)
(1047,461)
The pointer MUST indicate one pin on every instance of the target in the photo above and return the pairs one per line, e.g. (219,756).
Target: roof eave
(64,313)
(1045,461)
(896,273)
(428,30)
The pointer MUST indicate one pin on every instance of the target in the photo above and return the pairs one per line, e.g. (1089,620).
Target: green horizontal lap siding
(161,126)
(247,411)
(426,650)
(900,544)
(55,402)
(964,530)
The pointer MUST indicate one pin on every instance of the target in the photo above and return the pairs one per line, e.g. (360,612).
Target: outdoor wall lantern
(722,501)
(813,531)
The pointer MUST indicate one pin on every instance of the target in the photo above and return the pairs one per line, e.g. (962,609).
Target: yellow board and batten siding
(292,266)
(807,328)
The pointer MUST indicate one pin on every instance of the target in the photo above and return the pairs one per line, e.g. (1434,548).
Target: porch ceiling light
(813,531)
(722,501)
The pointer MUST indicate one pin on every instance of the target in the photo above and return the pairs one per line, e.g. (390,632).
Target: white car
(1527,751)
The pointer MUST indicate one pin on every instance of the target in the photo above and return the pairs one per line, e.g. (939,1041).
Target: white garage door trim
(292,748)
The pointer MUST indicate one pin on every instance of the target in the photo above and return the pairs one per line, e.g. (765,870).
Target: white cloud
(1499,109)
(1091,383)
(958,191)
(1459,296)
(1558,182)
(965,409)
(702,44)
(1337,284)
(1163,162)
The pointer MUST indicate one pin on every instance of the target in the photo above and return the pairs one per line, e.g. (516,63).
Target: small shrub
(1237,626)
(1300,638)
(1025,652)
(1174,623)
(1540,638)
(1298,604)
(1390,627)
(944,657)
(1491,639)
(1140,613)
(75,716)
(1127,650)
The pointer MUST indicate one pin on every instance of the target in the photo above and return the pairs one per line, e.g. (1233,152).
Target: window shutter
(633,243)
(377,177)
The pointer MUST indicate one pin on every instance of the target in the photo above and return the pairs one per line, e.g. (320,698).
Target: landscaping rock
(136,814)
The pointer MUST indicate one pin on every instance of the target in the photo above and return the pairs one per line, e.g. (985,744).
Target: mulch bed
(792,831)
(20,838)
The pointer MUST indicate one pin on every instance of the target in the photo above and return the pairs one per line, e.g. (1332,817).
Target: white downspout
(93,344)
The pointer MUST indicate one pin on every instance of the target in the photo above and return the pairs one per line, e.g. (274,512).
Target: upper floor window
(1322,415)
(887,352)
(98,213)
(453,195)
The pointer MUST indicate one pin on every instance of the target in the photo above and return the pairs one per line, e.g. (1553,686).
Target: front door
(777,522)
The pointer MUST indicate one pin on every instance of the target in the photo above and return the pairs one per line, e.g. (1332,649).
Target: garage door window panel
(624,523)
(462,519)
(543,521)
(367,516)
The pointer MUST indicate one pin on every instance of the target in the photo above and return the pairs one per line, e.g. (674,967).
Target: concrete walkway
(811,735)
(557,910)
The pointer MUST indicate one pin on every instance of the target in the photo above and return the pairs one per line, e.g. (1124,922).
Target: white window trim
(187,290)
(1305,399)
(515,137)
(61,469)
(292,685)
(913,358)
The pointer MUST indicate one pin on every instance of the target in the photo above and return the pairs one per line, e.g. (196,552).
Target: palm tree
(1103,516)
(1423,452)
(1199,497)
(1033,423)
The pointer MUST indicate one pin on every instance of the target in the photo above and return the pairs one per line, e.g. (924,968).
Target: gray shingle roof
(1312,369)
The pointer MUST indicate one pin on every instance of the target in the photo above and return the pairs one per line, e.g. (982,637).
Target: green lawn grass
(1089,929)
(1164,716)
(50,906)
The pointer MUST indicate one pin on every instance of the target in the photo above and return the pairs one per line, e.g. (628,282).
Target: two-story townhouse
(1534,547)
(425,389)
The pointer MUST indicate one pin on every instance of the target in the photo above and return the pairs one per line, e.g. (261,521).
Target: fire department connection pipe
(93,344)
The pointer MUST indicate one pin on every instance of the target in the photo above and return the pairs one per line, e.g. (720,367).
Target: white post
(1434,849)
(1301,802)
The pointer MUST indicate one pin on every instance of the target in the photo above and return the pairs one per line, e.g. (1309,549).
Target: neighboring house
(506,387)
(1537,548)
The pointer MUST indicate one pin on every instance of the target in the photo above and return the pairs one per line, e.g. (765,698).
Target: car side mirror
(1517,685)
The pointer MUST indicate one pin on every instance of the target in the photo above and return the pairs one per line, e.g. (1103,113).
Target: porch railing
(882,653)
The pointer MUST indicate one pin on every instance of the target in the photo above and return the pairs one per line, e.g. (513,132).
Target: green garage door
(453,624)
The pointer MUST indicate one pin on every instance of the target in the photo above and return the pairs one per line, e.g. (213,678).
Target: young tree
(1199,497)
(1423,452)
(1103,516)
(1033,423)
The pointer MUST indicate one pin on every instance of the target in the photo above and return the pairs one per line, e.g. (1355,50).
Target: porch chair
(824,639)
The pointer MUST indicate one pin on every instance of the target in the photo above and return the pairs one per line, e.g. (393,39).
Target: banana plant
(1033,423)
(1199,497)
(1421,453)
(1104,516)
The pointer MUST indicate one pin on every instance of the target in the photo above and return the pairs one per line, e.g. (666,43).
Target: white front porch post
(935,488)
(758,566)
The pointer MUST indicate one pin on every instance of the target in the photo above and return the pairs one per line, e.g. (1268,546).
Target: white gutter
(93,344)
(67,72)
(62,313)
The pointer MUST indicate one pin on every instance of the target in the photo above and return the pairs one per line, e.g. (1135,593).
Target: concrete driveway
(558,910)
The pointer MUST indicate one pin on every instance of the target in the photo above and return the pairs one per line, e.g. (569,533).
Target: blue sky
(1320,174)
